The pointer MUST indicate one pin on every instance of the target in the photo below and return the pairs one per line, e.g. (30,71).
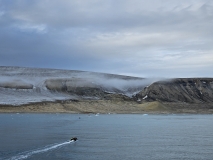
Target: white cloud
(32,28)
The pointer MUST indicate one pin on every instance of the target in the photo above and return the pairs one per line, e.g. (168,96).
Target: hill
(51,90)
(189,90)
(19,85)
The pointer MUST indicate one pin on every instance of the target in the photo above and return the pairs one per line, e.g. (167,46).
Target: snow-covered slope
(19,85)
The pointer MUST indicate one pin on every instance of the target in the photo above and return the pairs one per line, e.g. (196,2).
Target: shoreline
(109,107)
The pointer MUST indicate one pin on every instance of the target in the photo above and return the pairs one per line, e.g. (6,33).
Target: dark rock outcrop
(16,85)
(75,86)
(189,90)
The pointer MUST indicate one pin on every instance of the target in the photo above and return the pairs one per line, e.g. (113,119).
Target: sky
(144,38)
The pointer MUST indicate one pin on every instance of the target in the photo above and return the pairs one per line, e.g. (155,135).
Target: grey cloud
(136,37)
(100,13)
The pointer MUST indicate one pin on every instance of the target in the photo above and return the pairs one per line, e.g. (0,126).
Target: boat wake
(28,154)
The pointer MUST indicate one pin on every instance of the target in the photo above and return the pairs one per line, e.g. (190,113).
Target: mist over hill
(19,85)
(94,92)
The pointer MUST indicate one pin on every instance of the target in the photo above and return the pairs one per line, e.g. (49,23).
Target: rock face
(189,90)
(75,86)
(93,87)
(16,85)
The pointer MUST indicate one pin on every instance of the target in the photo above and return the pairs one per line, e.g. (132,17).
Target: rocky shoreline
(109,107)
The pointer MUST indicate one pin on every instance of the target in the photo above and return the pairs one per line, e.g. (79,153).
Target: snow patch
(145,97)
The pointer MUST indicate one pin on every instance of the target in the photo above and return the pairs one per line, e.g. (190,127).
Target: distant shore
(109,106)
(93,92)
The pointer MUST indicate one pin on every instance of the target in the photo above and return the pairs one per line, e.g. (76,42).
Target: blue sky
(145,38)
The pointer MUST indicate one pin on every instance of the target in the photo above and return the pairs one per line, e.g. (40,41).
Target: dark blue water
(122,137)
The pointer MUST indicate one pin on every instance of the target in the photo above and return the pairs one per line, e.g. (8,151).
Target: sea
(106,137)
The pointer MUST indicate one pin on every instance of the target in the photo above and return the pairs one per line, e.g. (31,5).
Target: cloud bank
(155,38)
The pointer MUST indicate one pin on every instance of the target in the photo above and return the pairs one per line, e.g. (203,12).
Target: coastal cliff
(188,90)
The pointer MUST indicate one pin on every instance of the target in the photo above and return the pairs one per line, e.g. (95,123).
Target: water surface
(160,137)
